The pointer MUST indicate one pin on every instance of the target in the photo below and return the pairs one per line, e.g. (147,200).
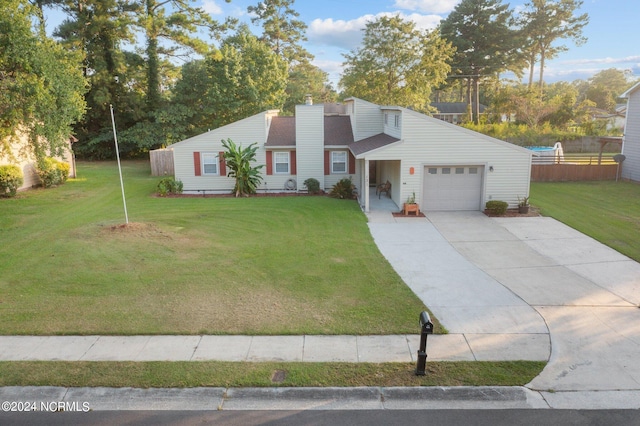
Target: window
(433,171)
(281,162)
(338,162)
(396,121)
(386,119)
(209,164)
(473,170)
(446,170)
(459,170)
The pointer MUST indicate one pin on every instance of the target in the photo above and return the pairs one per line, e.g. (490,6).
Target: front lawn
(263,265)
(607,211)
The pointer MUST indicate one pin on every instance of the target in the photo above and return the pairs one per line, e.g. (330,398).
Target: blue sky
(334,28)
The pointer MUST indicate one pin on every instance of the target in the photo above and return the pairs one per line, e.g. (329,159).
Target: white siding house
(631,142)
(23,157)
(447,167)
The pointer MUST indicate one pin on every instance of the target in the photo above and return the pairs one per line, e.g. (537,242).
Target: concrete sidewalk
(396,348)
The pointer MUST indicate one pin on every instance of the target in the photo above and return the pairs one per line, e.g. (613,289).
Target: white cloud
(625,60)
(328,66)
(348,34)
(211,7)
(427,6)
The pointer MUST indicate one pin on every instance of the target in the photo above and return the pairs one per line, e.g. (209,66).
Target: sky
(334,27)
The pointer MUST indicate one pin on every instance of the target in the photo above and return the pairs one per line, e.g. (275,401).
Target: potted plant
(523,205)
(411,205)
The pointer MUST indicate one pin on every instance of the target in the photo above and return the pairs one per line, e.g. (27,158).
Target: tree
(397,64)
(249,78)
(485,43)
(41,84)
(281,31)
(238,161)
(167,34)
(605,87)
(307,79)
(544,22)
(96,29)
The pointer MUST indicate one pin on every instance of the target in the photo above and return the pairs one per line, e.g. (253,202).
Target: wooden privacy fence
(161,162)
(566,172)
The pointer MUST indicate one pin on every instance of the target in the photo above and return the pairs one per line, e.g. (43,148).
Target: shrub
(497,207)
(313,186)
(168,186)
(11,179)
(344,189)
(52,172)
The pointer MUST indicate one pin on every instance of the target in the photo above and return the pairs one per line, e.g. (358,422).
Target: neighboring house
(446,166)
(631,142)
(25,160)
(453,112)
(614,121)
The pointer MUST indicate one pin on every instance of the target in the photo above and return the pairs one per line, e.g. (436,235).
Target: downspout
(366,186)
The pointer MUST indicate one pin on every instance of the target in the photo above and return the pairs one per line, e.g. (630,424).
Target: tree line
(171,71)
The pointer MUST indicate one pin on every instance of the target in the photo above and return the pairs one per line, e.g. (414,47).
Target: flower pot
(523,209)
(407,208)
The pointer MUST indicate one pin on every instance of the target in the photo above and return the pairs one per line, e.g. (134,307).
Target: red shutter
(352,164)
(294,169)
(196,164)
(223,164)
(327,163)
(269,162)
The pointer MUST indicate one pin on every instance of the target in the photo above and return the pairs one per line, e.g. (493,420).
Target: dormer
(392,117)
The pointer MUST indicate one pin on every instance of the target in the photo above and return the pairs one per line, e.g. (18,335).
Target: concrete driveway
(525,281)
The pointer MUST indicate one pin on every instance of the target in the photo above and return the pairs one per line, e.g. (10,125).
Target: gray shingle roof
(337,131)
(369,144)
(282,132)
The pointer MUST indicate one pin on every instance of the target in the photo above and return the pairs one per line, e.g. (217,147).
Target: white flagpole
(115,137)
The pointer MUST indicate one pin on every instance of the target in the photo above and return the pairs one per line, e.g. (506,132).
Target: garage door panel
(452,188)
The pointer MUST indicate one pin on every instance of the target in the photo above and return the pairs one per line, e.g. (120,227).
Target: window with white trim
(396,121)
(281,163)
(386,119)
(210,164)
(338,161)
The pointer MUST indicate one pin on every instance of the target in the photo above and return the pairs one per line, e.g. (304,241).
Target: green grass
(234,374)
(607,211)
(260,265)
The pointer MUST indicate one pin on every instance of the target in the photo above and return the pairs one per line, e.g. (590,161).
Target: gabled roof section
(630,91)
(337,130)
(372,143)
(282,132)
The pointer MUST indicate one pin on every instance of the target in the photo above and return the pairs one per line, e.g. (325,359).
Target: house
(447,167)
(453,112)
(631,141)
(22,157)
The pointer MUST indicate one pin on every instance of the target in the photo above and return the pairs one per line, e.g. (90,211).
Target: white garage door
(452,188)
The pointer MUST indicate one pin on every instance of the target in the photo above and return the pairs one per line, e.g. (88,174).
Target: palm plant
(238,162)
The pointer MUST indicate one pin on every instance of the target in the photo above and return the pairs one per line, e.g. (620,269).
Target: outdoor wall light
(490,168)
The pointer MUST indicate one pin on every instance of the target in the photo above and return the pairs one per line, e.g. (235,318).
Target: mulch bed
(400,214)
(229,195)
(533,212)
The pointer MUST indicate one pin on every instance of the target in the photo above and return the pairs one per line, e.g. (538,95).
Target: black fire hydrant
(426,327)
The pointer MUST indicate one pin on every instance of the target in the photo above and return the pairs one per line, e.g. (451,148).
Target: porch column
(366,185)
